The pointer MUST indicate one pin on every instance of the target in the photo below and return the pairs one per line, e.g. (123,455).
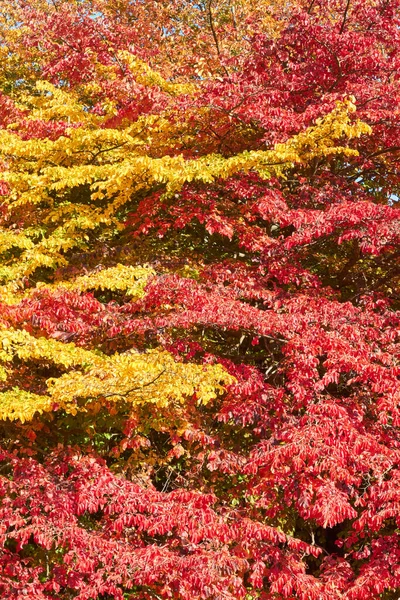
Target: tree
(200,300)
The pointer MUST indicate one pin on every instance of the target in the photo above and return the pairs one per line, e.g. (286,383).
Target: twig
(344,17)
(214,34)
(311,7)
(210,18)
(139,387)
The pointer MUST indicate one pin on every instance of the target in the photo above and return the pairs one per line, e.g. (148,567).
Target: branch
(233,17)
(210,18)
(384,151)
(214,34)
(337,61)
(344,17)
(108,149)
(310,7)
(134,389)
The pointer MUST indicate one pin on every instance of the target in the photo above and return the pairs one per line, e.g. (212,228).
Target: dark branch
(134,389)
(311,7)
(346,10)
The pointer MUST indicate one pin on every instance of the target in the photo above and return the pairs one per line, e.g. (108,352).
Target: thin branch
(233,17)
(210,19)
(214,34)
(337,61)
(134,389)
(384,151)
(345,17)
(311,7)
(108,149)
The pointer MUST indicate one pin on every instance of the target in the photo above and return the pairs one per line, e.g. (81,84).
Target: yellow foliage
(22,405)
(154,377)
(19,343)
(9,239)
(146,76)
(105,167)
(72,192)
(150,378)
(128,279)
(124,278)
(115,164)
(55,103)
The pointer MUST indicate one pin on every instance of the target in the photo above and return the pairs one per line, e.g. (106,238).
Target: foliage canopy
(199,299)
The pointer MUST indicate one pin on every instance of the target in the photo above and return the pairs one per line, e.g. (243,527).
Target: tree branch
(346,10)
(384,151)
(310,7)
(210,19)
(134,389)
(214,34)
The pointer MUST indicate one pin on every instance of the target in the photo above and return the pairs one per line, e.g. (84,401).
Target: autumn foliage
(200,300)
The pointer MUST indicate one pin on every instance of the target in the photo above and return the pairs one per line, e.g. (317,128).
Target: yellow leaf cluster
(154,377)
(136,378)
(55,103)
(75,186)
(146,76)
(21,405)
(10,239)
(124,278)
(18,343)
